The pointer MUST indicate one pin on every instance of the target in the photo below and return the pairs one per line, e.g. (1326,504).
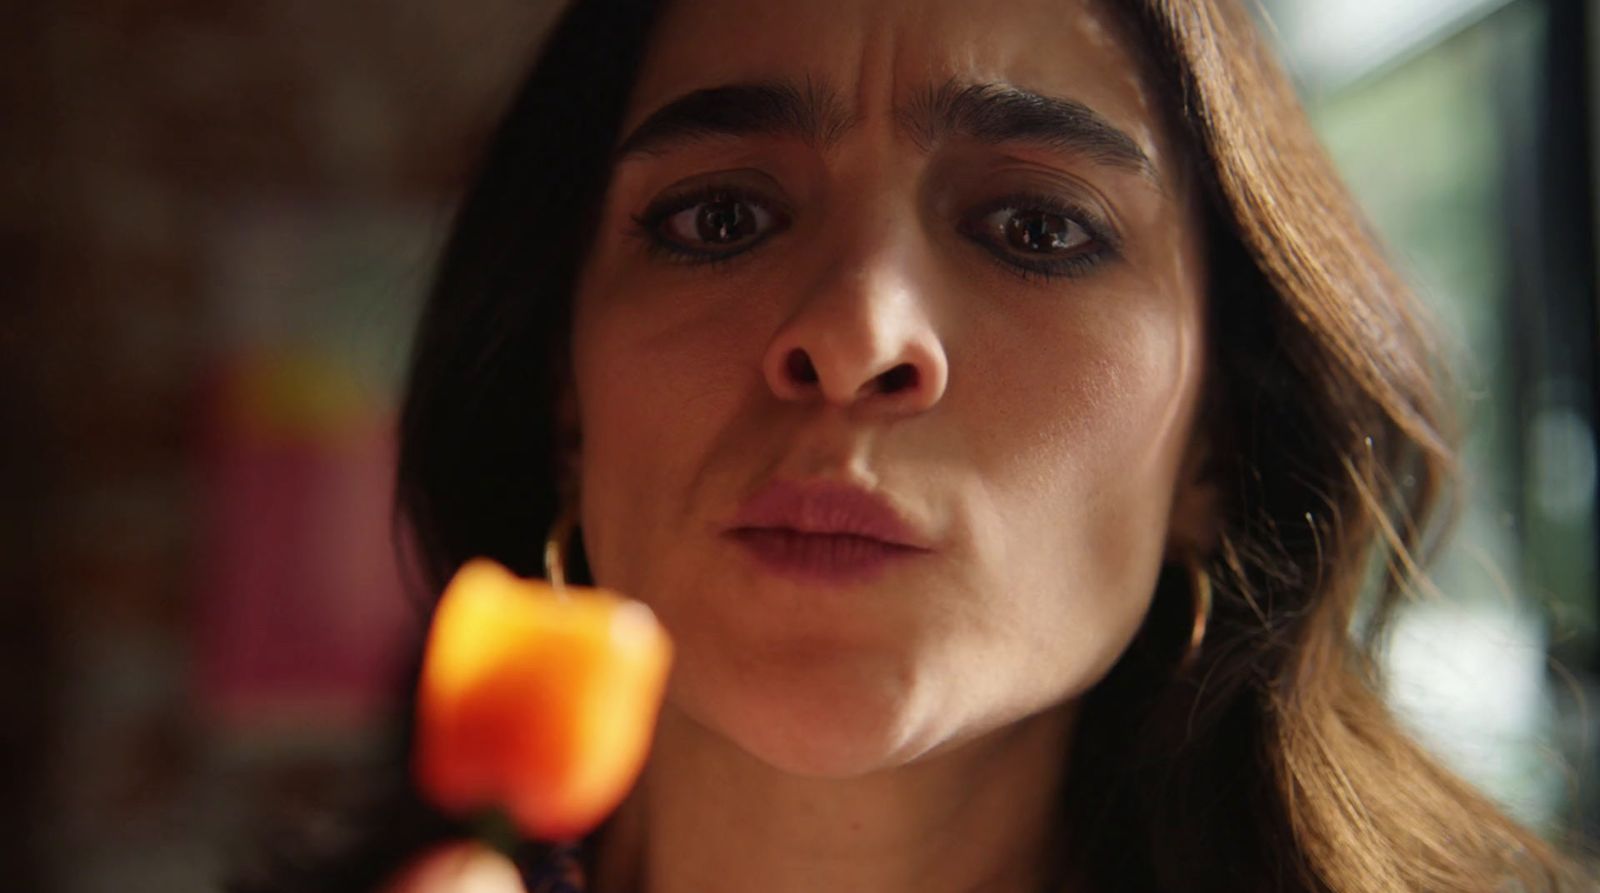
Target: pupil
(1039,232)
(723,221)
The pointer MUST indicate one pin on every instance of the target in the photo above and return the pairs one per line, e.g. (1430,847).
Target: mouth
(824,531)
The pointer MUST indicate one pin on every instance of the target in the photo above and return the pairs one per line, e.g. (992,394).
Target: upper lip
(827,507)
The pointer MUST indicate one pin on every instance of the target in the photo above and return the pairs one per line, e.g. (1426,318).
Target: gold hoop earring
(1200,597)
(556,544)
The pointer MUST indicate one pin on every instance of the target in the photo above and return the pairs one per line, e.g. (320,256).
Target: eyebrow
(810,113)
(813,114)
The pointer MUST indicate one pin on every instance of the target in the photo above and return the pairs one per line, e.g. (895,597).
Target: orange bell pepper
(535,701)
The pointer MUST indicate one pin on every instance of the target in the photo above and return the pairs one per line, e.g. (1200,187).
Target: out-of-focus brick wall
(143,146)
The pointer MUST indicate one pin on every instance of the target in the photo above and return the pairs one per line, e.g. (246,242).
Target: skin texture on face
(1041,446)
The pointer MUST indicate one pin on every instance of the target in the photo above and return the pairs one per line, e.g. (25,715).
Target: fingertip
(459,867)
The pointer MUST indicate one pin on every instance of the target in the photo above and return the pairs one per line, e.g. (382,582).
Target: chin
(828,722)
(831,749)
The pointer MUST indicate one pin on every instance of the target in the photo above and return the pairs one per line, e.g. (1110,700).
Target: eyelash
(647,225)
(1103,244)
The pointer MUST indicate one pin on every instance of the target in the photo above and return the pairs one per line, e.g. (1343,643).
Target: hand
(458,867)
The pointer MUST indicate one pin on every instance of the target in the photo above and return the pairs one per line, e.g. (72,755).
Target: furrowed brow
(1002,113)
(807,112)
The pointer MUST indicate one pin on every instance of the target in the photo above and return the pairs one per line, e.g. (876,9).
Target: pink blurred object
(303,619)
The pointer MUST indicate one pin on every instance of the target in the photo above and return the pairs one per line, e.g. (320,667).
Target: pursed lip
(836,508)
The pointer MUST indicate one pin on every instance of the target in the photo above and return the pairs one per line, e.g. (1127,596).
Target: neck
(978,817)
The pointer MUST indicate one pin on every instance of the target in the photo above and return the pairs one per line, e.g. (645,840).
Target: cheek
(1084,435)
(654,388)
(1088,409)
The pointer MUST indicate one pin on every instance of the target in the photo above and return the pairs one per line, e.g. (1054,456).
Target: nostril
(799,368)
(899,378)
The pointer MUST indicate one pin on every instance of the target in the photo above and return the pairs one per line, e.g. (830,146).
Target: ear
(1195,525)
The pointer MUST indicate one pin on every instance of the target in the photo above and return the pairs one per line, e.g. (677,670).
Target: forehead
(881,54)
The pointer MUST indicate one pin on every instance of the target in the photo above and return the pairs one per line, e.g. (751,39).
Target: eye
(709,223)
(1039,235)
(1040,232)
(723,220)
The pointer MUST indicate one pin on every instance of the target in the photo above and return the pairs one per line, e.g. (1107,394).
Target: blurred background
(216,221)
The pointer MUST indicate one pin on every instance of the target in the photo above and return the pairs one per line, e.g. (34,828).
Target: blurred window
(1462,126)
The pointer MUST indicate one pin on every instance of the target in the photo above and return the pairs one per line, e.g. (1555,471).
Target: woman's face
(886,361)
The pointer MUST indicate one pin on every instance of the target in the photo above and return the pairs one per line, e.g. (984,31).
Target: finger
(459,867)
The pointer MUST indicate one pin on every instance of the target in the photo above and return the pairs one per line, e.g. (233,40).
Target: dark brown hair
(1274,764)
(1270,763)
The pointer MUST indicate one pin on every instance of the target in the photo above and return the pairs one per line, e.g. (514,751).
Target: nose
(862,337)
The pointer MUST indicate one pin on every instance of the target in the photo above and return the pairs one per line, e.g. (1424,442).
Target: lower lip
(821,557)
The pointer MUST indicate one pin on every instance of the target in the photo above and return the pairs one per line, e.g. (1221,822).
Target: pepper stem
(494,828)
